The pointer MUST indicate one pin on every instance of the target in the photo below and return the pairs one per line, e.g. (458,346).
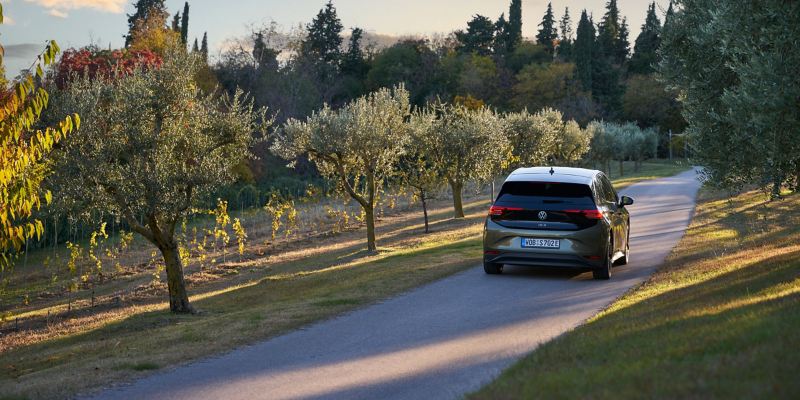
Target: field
(718,320)
(55,346)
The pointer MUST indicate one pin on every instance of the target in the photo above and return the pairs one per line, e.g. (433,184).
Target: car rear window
(515,192)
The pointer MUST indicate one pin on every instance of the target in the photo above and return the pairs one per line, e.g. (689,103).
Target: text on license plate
(541,243)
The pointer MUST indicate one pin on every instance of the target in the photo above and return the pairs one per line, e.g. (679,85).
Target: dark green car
(557,217)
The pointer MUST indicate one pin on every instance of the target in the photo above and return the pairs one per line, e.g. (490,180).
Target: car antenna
(552,171)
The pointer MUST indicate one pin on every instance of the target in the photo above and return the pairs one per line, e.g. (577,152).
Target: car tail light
(491,252)
(500,210)
(591,213)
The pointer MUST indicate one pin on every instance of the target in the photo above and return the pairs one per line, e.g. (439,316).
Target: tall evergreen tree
(353,61)
(608,29)
(622,47)
(502,39)
(514,27)
(583,51)
(176,22)
(195,48)
(142,11)
(548,33)
(478,38)
(185,24)
(646,46)
(565,40)
(323,41)
(204,46)
(669,15)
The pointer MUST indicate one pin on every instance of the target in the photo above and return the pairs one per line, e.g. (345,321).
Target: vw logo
(542,215)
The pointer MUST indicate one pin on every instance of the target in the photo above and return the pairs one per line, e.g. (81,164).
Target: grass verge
(649,170)
(718,320)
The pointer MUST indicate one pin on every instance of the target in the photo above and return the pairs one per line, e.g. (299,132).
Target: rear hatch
(545,206)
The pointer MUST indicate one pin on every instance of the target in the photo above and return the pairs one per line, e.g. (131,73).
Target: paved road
(439,341)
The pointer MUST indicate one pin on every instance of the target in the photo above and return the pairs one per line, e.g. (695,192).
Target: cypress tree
(668,16)
(176,22)
(204,46)
(622,48)
(646,46)
(548,34)
(565,40)
(608,30)
(514,27)
(185,24)
(354,62)
(195,48)
(583,51)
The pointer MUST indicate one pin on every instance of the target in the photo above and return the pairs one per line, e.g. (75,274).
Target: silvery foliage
(356,146)
(468,144)
(735,66)
(151,145)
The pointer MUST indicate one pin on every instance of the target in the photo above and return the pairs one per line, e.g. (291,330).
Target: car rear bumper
(542,259)
(578,249)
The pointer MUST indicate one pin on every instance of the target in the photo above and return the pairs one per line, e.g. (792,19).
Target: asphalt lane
(439,341)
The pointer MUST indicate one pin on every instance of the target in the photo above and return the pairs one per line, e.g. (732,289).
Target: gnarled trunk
(178,297)
(369,214)
(458,208)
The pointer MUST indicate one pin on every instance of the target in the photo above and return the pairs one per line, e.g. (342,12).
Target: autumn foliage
(104,64)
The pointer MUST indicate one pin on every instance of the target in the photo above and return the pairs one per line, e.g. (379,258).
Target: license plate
(541,243)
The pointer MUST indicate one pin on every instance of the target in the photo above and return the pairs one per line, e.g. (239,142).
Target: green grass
(719,320)
(649,170)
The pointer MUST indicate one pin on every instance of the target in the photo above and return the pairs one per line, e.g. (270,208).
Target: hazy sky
(75,23)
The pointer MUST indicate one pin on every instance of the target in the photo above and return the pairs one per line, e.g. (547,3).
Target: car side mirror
(625,201)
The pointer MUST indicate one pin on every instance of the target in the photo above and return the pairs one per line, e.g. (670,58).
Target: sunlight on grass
(711,323)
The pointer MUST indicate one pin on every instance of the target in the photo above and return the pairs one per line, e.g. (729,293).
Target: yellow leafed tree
(23,148)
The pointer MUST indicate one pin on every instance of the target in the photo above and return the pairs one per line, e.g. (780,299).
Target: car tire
(493,268)
(604,272)
(627,255)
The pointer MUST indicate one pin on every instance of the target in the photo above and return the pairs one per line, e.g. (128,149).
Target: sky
(76,23)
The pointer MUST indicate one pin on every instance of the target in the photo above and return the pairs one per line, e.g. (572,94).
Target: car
(557,217)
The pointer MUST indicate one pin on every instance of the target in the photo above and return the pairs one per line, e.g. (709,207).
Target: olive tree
(601,146)
(734,64)
(532,137)
(467,144)
(150,147)
(570,143)
(416,167)
(357,146)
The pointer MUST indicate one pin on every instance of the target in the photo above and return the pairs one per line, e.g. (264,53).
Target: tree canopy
(151,147)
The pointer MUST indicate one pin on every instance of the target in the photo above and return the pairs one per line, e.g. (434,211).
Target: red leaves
(103,64)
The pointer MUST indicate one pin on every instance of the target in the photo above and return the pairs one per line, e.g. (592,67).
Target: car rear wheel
(604,272)
(493,268)
(627,255)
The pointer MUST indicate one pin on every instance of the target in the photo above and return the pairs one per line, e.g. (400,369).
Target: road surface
(439,341)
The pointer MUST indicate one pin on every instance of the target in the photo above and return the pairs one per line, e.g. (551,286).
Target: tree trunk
(458,209)
(621,168)
(776,187)
(178,297)
(369,213)
(424,210)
